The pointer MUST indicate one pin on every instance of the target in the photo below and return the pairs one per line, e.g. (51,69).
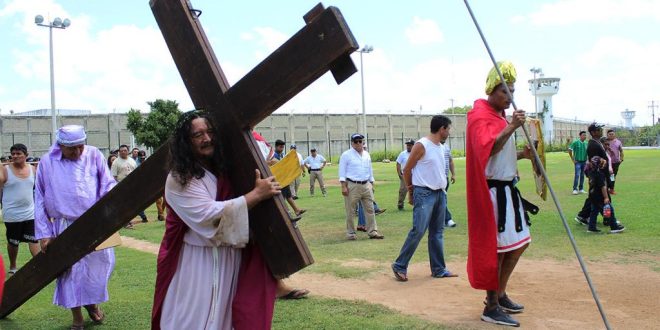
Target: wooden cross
(324,44)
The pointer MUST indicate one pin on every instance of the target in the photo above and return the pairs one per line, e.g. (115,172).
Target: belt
(358,182)
(313,169)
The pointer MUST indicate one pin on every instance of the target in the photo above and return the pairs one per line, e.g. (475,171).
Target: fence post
(385,138)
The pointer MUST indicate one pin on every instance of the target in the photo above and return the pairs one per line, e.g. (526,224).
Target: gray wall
(328,132)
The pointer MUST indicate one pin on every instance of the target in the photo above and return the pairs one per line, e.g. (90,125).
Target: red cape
(484,124)
(254,301)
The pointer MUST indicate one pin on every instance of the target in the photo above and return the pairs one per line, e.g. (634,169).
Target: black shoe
(145,220)
(295,197)
(380,211)
(593,231)
(617,229)
(581,220)
(497,316)
(509,306)
(606,222)
(400,208)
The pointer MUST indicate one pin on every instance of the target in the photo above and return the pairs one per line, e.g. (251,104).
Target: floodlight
(57,22)
(66,22)
(38,19)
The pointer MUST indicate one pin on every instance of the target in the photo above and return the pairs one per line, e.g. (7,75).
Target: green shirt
(579,149)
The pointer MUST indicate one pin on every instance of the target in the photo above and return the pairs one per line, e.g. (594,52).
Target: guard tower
(543,89)
(628,117)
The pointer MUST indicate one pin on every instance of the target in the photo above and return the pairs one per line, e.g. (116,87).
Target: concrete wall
(327,132)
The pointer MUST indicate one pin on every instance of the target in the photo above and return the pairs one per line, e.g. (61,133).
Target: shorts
(18,232)
(286,192)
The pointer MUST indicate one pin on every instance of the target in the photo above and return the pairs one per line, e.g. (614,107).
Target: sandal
(95,314)
(444,274)
(295,294)
(300,212)
(401,277)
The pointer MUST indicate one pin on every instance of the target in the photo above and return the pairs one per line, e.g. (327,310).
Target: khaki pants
(403,191)
(313,176)
(360,193)
(294,187)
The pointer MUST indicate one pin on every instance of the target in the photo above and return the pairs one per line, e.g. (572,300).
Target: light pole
(57,23)
(535,71)
(365,49)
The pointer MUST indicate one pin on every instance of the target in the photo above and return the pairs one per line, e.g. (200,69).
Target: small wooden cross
(324,44)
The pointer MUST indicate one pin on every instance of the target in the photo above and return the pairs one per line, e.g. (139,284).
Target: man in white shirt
(296,182)
(17,184)
(400,165)
(356,177)
(315,163)
(121,168)
(426,182)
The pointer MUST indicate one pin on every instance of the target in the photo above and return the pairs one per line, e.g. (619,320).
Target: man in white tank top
(17,183)
(426,182)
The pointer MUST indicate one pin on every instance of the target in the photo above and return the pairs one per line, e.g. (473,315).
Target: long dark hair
(183,164)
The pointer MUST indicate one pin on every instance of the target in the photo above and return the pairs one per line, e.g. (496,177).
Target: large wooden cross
(324,44)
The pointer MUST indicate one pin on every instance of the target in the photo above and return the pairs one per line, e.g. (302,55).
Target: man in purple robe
(71,177)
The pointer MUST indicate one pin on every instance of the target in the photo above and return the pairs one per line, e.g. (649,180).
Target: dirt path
(555,294)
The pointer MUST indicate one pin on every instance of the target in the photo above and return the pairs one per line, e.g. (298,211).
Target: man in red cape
(497,235)
(207,277)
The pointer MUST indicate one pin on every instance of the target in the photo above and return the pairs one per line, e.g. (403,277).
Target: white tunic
(503,166)
(203,287)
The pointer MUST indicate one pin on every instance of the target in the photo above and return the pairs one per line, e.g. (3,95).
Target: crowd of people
(210,271)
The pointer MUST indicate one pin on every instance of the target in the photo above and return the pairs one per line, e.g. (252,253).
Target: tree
(158,125)
(458,110)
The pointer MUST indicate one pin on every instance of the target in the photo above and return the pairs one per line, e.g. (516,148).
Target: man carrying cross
(206,229)
(71,177)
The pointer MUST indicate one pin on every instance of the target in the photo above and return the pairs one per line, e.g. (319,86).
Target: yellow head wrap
(493,79)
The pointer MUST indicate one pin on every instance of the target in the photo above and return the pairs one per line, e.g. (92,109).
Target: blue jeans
(362,221)
(579,175)
(593,216)
(429,209)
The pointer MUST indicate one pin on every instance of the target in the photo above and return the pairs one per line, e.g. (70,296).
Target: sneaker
(593,231)
(581,220)
(575,192)
(618,229)
(450,223)
(606,222)
(582,191)
(510,306)
(380,211)
(497,316)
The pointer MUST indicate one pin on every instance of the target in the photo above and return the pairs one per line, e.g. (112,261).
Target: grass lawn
(323,226)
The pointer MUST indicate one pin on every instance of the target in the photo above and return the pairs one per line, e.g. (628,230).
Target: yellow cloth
(493,79)
(287,169)
(537,136)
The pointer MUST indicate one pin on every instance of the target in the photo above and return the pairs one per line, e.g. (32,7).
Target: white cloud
(423,31)
(565,12)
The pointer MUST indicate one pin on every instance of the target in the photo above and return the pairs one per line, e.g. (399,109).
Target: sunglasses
(357,141)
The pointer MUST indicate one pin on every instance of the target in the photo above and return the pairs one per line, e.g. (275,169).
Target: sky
(427,55)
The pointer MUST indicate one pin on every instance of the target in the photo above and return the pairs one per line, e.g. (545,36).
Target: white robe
(203,287)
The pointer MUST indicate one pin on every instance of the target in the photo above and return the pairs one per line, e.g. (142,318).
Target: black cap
(410,142)
(313,149)
(356,136)
(594,127)
(293,146)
